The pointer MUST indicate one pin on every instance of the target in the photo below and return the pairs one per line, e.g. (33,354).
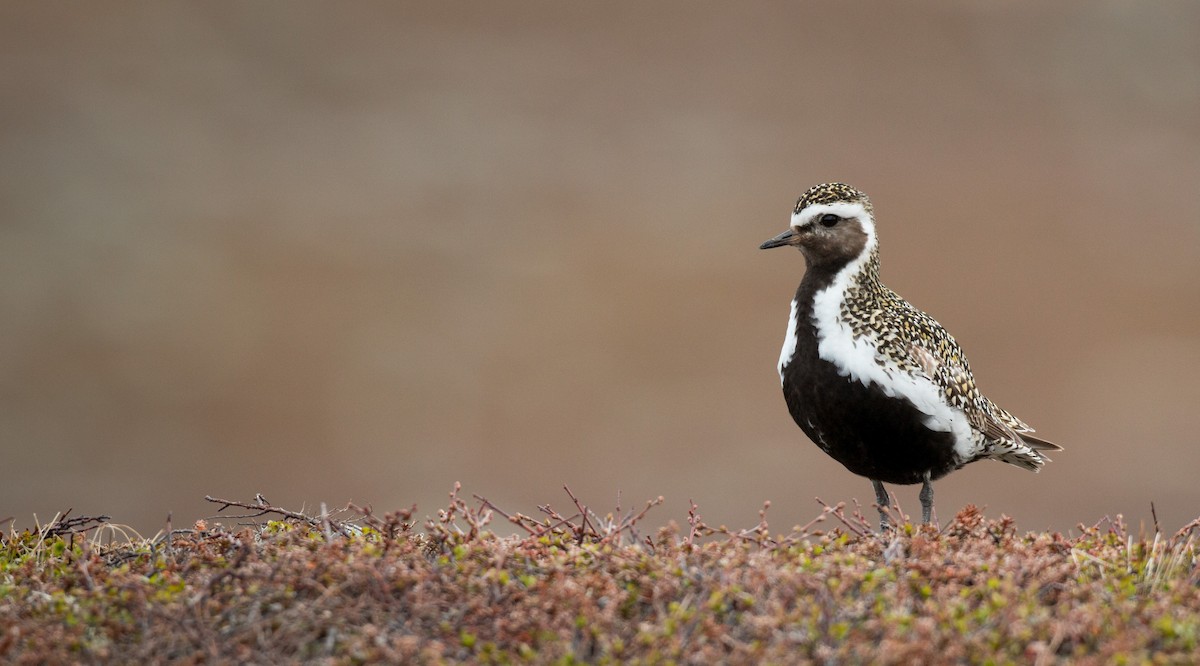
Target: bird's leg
(882,499)
(926,500)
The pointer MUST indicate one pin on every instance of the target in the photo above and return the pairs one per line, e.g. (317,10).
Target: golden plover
(876,383)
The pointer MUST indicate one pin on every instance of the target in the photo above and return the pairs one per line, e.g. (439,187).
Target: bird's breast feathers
(899,367)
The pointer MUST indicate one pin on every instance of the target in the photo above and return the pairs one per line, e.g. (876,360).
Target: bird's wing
(932,351)
(921,344)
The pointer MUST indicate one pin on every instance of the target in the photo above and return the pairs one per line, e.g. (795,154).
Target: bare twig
(839,511)
(264,508)
(63,526)
(583,511)
(518,520)
(391,523)
(696,526)
(1188,528)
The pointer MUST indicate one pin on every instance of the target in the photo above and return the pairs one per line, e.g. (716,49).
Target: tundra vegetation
(260,583)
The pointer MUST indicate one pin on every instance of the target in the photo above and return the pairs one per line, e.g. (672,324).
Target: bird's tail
(1012,441)
(1037,443)
(1019,455)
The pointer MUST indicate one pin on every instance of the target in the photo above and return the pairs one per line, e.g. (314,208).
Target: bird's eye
(829,219)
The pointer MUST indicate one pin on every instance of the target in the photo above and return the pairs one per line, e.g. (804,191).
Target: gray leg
(926,501)
(882,499)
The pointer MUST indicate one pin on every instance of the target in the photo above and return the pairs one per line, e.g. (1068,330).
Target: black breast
(872,434)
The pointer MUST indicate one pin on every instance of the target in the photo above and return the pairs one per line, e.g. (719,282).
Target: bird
(877,384)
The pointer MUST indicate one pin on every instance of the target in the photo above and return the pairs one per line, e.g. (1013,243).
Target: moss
(571,592)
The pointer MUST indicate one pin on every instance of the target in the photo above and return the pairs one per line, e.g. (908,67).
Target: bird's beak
(785,238)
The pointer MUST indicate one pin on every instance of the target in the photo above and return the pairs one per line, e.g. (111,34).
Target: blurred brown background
(361,251)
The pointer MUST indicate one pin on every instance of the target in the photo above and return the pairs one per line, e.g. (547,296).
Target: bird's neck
(857,278)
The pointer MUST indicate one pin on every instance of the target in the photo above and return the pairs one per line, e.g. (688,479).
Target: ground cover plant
(260,583)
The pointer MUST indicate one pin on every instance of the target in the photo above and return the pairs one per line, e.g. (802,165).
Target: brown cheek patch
(849,242)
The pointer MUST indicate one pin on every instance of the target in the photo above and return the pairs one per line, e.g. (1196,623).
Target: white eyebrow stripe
(843,209)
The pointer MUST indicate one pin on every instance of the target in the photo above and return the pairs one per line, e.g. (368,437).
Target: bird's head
(832,224)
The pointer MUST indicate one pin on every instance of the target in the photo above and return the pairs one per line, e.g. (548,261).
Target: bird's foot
(883,501)
(926,501)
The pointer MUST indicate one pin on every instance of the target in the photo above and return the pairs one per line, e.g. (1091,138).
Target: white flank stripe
(860,360)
